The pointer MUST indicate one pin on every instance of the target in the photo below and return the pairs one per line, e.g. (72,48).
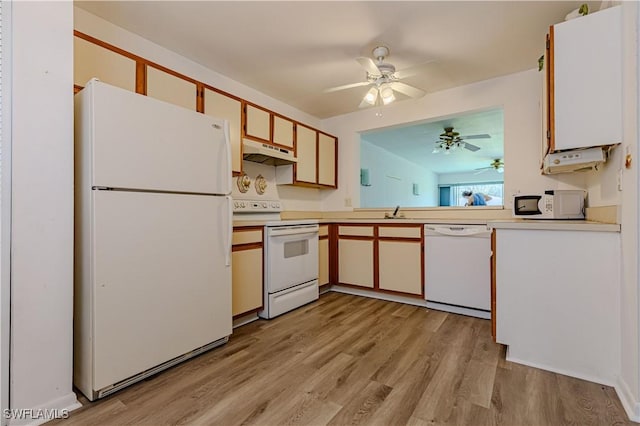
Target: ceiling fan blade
(346,86)
(471,147)
(410,91)
(482,170)
(369,65)
(481,136)
(411,71)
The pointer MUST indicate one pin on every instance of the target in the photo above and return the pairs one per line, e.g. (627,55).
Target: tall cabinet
(583,84)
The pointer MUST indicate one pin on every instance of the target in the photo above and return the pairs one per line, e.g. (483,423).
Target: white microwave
(554,204)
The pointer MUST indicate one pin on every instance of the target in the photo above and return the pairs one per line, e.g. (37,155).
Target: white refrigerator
(153,237)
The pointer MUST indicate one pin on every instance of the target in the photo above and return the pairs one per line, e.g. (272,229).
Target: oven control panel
(256,206)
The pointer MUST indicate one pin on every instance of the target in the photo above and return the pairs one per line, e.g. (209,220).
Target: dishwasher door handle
(457,231)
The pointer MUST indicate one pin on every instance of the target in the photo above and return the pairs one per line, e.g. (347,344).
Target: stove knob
(264,205)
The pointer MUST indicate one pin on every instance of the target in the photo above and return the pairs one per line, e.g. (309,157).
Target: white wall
(392,178)
(5,205)
(293,198)
(519,94)
(628,386)
(42,185)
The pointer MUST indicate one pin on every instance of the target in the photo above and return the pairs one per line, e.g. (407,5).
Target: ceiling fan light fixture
(371,96)
(386,93)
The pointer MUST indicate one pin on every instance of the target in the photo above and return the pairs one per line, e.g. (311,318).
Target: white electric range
(290,246)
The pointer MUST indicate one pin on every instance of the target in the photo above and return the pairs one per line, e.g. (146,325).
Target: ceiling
(415,142)
(294,50)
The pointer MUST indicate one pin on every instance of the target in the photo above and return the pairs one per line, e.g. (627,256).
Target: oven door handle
(311,230)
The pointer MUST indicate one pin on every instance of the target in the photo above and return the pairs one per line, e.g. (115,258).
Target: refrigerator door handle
(229,230)
(229,176)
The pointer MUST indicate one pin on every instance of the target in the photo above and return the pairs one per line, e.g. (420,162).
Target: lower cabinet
(247,270)
(400,266)
(384,258)
(323,255)
(355,262)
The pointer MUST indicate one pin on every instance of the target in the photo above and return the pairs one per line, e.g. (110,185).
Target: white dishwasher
(457,261)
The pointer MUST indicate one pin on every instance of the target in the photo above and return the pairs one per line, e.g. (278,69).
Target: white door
(144,143)
(161,279)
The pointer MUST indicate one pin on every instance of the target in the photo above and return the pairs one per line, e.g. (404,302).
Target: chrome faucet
(394,215)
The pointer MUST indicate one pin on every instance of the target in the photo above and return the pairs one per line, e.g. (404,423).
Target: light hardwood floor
(347,360)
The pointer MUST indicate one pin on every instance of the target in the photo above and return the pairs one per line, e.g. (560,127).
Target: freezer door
(143,143)
(160,284)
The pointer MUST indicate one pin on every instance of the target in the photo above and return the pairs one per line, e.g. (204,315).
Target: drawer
(356,231)
(247,237)
(400,231)
(323,231)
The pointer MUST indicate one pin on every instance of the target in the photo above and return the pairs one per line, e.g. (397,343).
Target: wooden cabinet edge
(493,285)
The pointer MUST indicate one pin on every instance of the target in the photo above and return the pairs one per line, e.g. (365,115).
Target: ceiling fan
(383,79)
(451,140)
(497,165)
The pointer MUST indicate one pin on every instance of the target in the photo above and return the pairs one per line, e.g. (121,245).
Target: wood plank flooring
(347,360)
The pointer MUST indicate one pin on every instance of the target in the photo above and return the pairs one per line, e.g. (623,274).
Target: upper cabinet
(305,169)
(327,156)
(92,60)
(583,65)
(257,123)
(283,131)
(219,105)
(317,155)
(170,88)
(315,151)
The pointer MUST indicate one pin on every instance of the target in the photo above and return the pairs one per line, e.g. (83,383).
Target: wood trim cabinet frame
(375,238)
(141,78)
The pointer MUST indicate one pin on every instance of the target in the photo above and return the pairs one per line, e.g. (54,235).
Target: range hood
(266,154)
(573,161)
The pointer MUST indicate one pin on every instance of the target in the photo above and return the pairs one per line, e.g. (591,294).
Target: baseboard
(58,408)
(564,372)
(631,406)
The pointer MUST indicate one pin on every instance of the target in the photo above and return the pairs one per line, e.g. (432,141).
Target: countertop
(523,224)
(554,225)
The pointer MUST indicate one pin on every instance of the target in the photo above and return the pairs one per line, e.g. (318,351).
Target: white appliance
(290,247)
(153,237)
(573,161)
(291,266)
(553,204)
(458,269)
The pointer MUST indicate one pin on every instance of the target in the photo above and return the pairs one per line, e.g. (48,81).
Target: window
(451,195)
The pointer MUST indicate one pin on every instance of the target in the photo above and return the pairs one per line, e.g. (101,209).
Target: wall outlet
(347,202)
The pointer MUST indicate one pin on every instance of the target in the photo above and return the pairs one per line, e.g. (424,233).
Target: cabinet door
(355,262)
(169,88)
(400,266)
(221,106)
(327,160)
(588,91)
(258,123)
(91,60)
(323,262)
(283,131)
(306,154)
(246,280)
